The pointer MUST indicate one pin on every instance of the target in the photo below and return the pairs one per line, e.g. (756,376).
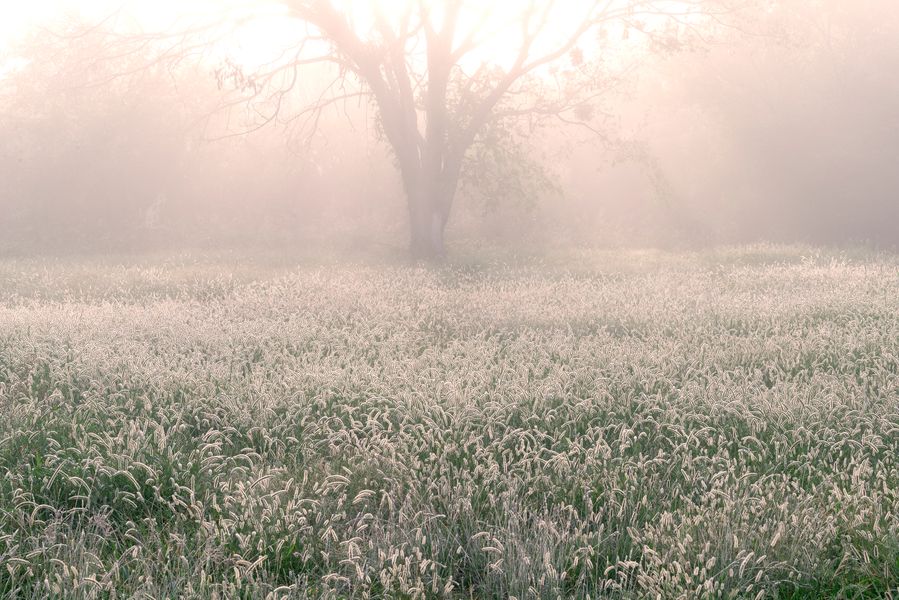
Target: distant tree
(789,133)
(83,164)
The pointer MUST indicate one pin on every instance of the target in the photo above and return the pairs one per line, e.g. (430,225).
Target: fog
(449,299)
(780,124)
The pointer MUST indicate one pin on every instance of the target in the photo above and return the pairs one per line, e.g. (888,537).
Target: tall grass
(629,425)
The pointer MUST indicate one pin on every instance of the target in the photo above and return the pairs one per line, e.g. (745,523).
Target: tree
(427,68)
(433,105)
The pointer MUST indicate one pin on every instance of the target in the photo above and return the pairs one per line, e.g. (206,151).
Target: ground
(596,424)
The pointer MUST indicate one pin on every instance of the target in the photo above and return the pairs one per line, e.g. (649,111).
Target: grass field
(604,424)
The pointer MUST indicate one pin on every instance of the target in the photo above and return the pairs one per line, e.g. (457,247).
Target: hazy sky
(259,40)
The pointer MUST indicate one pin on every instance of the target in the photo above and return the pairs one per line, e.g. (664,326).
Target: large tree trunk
(430,191)
(427,221)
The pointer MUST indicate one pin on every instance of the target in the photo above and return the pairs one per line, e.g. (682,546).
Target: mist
(782,126)
(444,299)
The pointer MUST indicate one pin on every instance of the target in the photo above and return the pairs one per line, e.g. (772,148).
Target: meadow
(621,424)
